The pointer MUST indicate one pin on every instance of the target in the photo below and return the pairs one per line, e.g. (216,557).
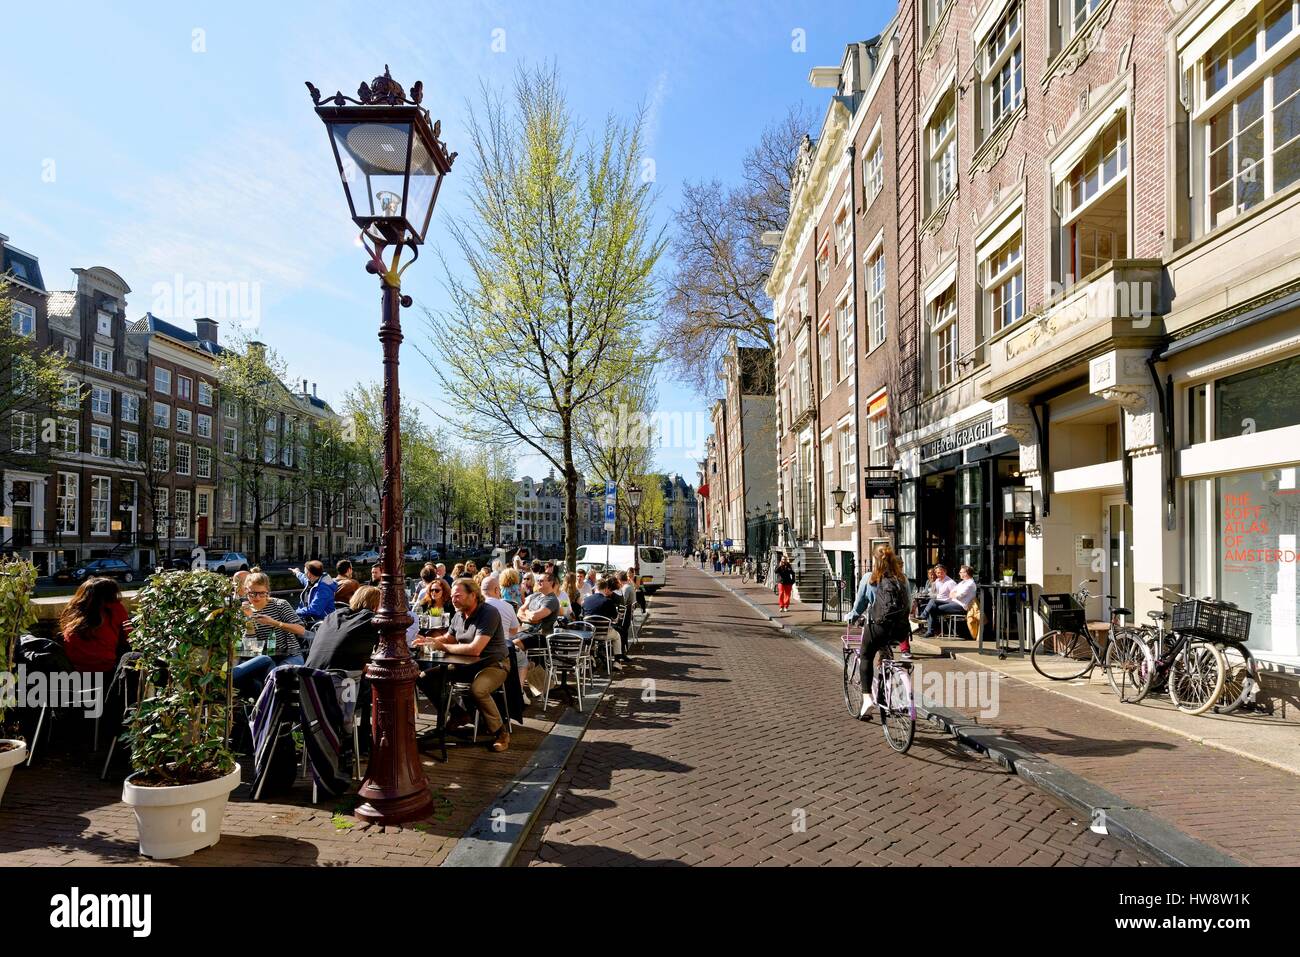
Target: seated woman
(93,626)
(428,575)
(438,601)
(278,626)
(346,639)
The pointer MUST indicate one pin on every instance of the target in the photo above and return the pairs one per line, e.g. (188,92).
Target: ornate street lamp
(391,163)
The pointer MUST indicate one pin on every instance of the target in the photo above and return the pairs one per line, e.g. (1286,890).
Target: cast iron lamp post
(634,501)
(392,164)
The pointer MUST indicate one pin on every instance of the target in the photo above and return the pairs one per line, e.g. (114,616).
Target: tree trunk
(570,501)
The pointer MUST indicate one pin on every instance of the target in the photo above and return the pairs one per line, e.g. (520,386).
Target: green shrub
(17,582)
(186,626)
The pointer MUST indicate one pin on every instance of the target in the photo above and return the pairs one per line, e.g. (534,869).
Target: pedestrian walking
(784,583)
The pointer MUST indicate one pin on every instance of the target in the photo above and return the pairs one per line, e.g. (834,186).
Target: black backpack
(889,610)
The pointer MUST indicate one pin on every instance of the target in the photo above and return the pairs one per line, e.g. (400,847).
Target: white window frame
(941,151)
(941,325)
(130,445)
(163,420)
(205,393)
(22,432)
(842,227)
(69,435)
(184,387)
(202,462)
(1002,66)
(101,441)
(67,493)
(1006,237)
(183,459)
(70,400)
(230,440)
(162,380)
(101,522)
(873,167)
(203,426)
(162,453)
(101,401)
(848,468)
(130,408)
(181,514)
(184,421)
(844,323)
(107,356)
(24,318)
(878,453)
(826,359)
(104,319)
(873,268)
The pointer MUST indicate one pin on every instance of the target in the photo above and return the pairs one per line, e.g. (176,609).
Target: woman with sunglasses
(277,627)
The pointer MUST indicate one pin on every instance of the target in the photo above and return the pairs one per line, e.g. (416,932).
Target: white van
(651,564)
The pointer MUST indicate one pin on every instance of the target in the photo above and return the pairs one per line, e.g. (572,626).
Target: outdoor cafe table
(444,661)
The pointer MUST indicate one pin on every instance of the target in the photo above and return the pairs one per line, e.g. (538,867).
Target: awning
(1268,310)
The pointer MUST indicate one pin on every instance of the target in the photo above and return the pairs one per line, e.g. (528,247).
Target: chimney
(313,390)
(207,330)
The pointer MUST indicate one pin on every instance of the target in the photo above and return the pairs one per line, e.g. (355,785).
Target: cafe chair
(463,690)
(567,653)
(953,626)
(603,637)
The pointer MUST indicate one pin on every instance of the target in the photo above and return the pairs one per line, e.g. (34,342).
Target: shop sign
(977,431)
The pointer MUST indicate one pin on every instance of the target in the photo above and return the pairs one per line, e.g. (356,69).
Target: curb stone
(1139,829)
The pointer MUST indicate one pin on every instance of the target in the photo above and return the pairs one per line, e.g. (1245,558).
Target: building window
(1071,15)
(104,323)
(161,514)
(183,421)
(1252,144)
(182,458)
(230,441)
(1002,283)
(878,454)
(876,299)
(161,455)
(162,381)
(933,11)
(943,333)
(101,441)
(67,503)
(204,463)
(271,425)
(22,432)
(70,399)
(24,319)
(843,233)
(181,516)
(204,426)
(231,411)
(162,415)
(1093,200)
(130,408)
(1002,70)
(1257,400)
(844,323)
(873,173)
(228,503)
(101,401)
(184,387)
(941,153)
(100,497)
(201,505)
(824,264)
(130,446)
(848,468)
(205,393)
(69,435)
(827,357)
(103,359)
(270,450)
(316,506)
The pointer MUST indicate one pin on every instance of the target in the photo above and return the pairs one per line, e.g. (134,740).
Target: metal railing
(836,600)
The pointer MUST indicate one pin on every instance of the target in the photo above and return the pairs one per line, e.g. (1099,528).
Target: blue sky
(176,143)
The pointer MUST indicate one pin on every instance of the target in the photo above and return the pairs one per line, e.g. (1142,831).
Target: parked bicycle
(1069,650)
(747,570)
(891,689)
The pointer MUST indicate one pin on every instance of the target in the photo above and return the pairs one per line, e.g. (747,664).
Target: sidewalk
(1244,802)
(60,813)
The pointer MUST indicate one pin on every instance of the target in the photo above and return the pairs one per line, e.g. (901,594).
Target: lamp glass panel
(373,156)
(423,189)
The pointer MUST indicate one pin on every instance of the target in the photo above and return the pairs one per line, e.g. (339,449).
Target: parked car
(96,568)
(649,561)
(227,562)
(368,557)
(417,553)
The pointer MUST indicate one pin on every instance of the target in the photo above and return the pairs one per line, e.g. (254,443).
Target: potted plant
(17,581)
(1008,576)
(185,627)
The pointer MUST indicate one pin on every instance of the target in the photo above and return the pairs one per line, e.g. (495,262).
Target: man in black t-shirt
(475,630)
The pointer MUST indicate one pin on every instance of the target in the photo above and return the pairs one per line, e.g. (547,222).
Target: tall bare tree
(720,263)
(548,317)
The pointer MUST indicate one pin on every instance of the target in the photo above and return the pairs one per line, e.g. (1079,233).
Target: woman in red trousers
(784,583)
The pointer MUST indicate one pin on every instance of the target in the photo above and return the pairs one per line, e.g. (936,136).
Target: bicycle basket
(1211,621)
(1062,612)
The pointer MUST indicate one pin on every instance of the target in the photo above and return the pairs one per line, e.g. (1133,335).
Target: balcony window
(1093,202)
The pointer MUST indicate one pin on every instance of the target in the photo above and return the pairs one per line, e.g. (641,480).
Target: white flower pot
(10,760)
(177,821)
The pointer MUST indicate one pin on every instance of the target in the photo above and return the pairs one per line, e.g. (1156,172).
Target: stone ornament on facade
(996,145)
(937,218)
(936,32)
(1014,418)
(1081,45)
(1121,377)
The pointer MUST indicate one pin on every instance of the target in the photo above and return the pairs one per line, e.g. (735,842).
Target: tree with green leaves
(32,384)
(616,441)
(493,485)
(559,248)
(363,412)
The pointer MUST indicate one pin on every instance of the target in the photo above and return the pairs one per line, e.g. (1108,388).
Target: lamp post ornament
(392,163)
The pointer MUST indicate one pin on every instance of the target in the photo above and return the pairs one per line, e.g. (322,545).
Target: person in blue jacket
(317,600)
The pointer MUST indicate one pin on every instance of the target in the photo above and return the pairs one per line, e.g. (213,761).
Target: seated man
(540,611)
(317,599)
(475,630)
(606,603)
(959,597)
(941,587)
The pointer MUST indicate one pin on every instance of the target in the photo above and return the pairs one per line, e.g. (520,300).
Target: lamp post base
(395,790)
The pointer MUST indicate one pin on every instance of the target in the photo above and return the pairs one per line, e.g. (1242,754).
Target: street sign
(611,503)
(727,543)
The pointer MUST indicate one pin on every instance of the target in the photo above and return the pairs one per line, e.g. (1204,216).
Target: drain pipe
(1165,402)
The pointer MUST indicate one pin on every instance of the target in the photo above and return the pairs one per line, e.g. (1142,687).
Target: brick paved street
(727,743)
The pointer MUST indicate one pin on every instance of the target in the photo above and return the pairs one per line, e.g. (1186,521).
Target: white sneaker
(867,706)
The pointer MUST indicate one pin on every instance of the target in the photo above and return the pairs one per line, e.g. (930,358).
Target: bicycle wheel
(1241,678)
(1062,655)
(853,686)
(1129,664)
(1196,677)
(898,714)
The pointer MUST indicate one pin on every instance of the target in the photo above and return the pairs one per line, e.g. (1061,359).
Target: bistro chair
(602,637)
(567,653)
(463,690)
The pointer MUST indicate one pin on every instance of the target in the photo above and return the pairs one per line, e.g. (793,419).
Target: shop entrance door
(1117,575)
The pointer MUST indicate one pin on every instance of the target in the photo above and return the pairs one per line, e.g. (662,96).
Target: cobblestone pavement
(727,743)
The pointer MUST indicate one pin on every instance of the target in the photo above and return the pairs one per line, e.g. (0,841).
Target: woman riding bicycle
(887,621)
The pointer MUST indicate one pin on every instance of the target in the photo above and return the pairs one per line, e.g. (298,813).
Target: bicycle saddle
(1121,611)
(1158,615)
